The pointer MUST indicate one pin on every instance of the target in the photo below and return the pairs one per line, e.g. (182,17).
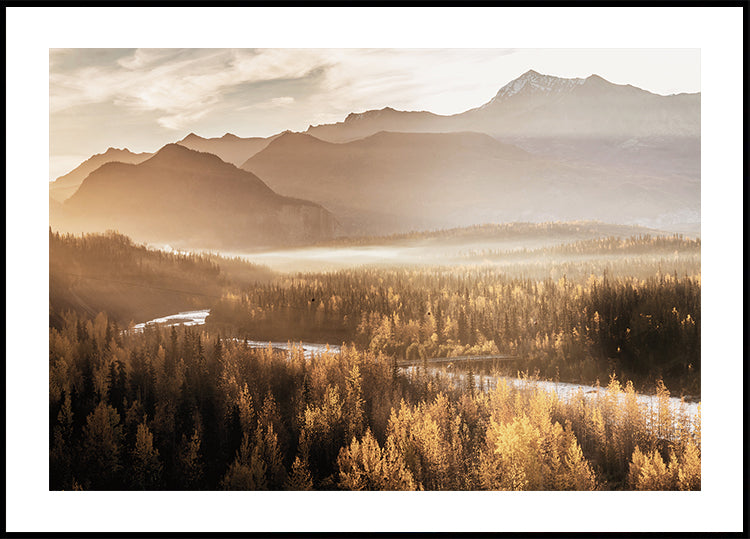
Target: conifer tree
(102,442)
(60,454)
(300,477)
(191,463)
(147,468)
(354,404)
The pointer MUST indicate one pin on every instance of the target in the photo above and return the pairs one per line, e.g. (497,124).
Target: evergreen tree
(102,443)
(147,468)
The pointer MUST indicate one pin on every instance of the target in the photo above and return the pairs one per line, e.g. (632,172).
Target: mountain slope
(64,186)
(187,198)
(395,182)
(229,148)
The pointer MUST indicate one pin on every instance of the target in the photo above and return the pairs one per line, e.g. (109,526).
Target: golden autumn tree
(364,465)
(649,472)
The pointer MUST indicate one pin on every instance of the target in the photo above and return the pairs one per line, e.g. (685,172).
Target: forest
(184,409)
(199,409)
(579,328)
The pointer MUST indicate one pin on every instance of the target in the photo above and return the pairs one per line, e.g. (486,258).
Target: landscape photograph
(507,297)
(370,270)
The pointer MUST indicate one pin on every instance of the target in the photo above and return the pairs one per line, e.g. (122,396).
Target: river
(564,390)
(198,318)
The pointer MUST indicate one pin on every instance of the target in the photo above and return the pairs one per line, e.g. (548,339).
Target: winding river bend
(564,390)
(198,318)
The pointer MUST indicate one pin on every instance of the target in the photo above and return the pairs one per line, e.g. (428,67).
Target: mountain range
(591,120)
(229,148)
(536,105)
(543,148)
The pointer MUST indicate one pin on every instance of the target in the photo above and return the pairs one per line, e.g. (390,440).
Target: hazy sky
(144,98)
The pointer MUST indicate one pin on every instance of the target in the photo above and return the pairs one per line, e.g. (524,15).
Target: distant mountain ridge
(230,148)
(541,105)
(183,197)
(64,186)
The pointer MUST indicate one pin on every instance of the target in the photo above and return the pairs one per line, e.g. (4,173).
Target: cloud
(181,85)
(185,89)
(273,103)
(410,79)
(179,120)
(281,102)
(142,58)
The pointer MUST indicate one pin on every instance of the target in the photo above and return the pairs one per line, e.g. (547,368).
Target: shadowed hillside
(110,273)
(187,198)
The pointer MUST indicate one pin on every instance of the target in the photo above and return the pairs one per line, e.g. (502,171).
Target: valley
(504,298)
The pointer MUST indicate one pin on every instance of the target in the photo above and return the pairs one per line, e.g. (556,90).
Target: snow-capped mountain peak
(532,82)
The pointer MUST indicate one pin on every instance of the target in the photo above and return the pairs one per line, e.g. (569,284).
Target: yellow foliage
(363,465)
(648,472)
(526,454)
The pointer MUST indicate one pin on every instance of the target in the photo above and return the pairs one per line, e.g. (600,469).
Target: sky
(142,99)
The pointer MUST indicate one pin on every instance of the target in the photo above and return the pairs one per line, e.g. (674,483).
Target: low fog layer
(513,246)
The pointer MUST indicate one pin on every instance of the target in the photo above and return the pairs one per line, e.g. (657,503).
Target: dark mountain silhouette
(64,186)
(394,182)
(230,148)
(188,198)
